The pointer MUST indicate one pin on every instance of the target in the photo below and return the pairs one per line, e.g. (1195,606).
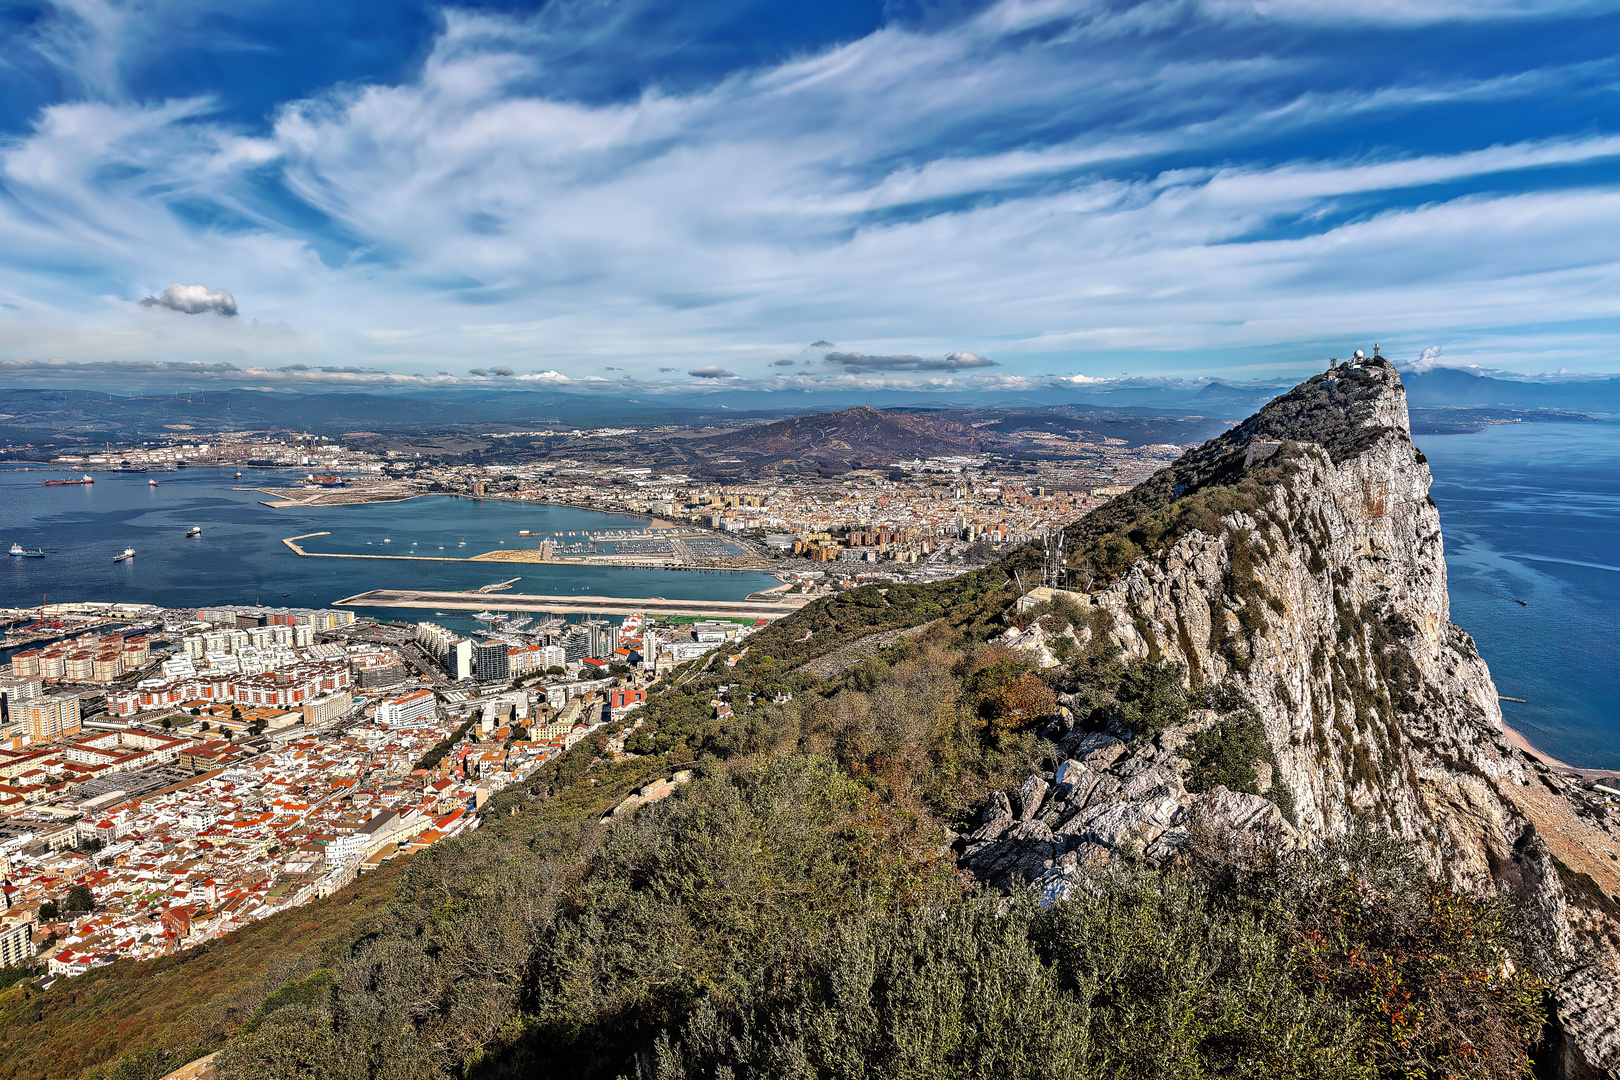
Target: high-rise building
(604,639)
(459,660)
(576,646)
(16,943)
(490,663)
(51,718)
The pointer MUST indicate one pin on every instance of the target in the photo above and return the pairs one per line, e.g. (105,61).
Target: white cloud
(194,300)
(848,194)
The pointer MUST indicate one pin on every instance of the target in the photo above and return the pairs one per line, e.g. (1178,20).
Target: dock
(574,605)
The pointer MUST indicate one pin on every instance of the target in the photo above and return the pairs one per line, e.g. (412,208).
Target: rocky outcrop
(1321,598)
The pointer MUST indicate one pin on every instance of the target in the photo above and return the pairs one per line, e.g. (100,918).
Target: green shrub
(1152,696)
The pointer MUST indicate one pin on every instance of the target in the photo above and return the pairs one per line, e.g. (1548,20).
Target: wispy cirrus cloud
(1064,186)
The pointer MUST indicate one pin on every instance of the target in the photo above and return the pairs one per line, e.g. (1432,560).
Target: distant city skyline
(649,197)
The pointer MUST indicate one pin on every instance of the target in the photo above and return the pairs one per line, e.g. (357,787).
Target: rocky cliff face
(1321,599)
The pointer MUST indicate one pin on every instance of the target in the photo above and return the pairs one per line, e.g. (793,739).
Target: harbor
(203,538)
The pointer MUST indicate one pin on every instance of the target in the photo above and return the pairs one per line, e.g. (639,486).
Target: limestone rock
(1376,707)
(1030,795)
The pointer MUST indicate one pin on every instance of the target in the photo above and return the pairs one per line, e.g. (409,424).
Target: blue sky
(1010,195)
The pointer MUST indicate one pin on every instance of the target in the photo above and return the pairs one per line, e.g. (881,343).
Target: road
(573,605)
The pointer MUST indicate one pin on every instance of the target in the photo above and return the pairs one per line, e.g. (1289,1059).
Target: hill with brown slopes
(849,439)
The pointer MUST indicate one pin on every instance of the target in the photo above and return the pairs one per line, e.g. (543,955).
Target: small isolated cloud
(490,372)
(821,344)
(709,371)
(1428,360)
(954,361)
(193,300)
(784,362)
(668,369)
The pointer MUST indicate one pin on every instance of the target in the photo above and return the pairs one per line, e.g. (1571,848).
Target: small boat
(195,530)
(238,476)
(151,483)
(286,594)
(462,544)
(484,616)
(387,541)
(128,553)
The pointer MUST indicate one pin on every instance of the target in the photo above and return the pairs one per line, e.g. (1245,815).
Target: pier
(573,605)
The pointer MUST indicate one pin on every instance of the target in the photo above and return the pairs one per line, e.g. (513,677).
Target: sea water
(1531,512)
(240,559)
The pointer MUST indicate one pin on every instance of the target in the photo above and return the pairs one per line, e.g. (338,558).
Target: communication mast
(1052,568)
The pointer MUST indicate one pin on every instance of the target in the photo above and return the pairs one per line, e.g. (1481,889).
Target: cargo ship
(27,553)
(128,553)
(195,530)
(327,480)
(86,479)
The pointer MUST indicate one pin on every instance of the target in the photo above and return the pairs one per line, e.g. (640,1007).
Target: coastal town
(168,776)
(918,519)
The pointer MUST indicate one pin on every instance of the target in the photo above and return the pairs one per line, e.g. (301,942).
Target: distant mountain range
(1449,387)
(1134,410)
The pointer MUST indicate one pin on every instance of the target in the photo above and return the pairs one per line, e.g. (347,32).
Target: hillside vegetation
(798,909)
(160,1013)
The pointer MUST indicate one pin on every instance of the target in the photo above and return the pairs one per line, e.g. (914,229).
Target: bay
(1532,512)
(239,558)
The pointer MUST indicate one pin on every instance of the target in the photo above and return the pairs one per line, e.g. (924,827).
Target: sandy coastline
(1520,742)
(1517,738)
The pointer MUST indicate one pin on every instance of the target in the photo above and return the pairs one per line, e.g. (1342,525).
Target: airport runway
(572,605)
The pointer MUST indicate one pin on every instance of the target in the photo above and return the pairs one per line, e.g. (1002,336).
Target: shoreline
(1516,738)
